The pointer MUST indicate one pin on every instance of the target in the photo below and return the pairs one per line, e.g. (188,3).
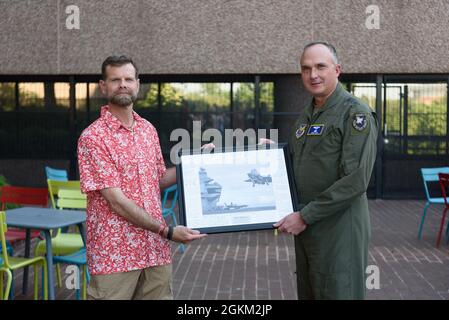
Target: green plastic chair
(5,293)
(64,243)
(55,185)
(14,263)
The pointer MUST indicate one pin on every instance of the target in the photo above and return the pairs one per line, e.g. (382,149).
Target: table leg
(82,233)
(49,257)
(27,255)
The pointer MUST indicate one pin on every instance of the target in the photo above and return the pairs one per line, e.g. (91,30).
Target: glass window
(365,92)
(243,96)
(7,96)
(147,99)
(81,95)
(266,96)
(427,117)
(96,98)
(197,97)
(31,95)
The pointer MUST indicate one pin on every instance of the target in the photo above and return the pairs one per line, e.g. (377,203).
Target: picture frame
(235,190)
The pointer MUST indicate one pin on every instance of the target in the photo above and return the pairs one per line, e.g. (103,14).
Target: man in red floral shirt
(122,172)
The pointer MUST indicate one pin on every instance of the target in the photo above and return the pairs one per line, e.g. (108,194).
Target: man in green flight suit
(333,146)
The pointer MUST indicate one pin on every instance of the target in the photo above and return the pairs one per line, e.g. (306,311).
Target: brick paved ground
(260,265)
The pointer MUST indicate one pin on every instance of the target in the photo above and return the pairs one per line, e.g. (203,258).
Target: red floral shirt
(112,156)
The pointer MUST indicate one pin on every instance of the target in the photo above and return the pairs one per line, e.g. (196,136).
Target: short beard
(123,100)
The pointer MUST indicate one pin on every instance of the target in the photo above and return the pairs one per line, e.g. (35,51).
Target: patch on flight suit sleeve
(301,130)
(359,123)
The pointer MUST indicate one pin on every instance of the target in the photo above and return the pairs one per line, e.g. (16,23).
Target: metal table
(44,219)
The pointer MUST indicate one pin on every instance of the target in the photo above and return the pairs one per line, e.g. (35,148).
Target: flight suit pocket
(329,142)
(349,165)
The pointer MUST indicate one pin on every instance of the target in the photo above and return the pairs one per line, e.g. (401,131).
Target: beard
(123,99)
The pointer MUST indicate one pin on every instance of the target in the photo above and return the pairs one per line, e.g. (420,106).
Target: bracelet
(170,233)
(161,229)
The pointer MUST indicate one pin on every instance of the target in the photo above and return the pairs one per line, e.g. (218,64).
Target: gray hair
(327,45)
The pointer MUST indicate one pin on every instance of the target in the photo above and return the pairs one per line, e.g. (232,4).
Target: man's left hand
(208,146)
(185,235)
(293,224)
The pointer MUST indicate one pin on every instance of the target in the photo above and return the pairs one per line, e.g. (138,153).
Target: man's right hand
(293,224)
(186,235)
(208,146)
(263,141)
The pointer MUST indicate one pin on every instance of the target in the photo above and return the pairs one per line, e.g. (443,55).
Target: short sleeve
(160,164)
(96,167)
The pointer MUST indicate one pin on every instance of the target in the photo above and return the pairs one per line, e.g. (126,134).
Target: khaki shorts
(153,283)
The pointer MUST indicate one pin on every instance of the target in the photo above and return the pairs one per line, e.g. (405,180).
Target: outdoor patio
(260,265)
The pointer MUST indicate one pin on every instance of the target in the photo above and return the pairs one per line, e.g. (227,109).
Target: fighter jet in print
(256,178)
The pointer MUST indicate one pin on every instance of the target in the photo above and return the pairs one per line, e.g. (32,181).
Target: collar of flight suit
(332,101)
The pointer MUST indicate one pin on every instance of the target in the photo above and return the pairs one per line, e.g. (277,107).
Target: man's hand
(263,141)
(168,179)
(186,235)
(208,146)
(293,224)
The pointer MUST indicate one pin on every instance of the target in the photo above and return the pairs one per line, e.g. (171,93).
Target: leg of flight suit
(302,271)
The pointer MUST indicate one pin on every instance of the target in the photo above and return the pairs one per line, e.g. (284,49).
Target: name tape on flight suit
(315,130)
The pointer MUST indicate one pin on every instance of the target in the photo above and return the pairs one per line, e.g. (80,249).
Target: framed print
(235,190)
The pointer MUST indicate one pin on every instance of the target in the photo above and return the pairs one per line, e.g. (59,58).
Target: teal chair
(56,174)
(69,197)
(171,192)
(79,259)
(430,175)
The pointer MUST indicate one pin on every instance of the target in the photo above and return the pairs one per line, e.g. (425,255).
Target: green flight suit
(333,153)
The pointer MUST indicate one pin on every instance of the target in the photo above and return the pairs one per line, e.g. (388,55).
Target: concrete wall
(222,37)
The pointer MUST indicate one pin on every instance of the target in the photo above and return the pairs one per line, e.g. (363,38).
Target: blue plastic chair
(9,248)
(430,175)
(79,259)
(170,211)
(56,174)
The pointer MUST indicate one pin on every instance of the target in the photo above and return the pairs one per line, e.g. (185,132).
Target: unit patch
(359,122)
(301,130)
(315,130)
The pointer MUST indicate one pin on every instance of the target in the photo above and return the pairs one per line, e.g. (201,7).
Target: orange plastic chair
(22,196)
